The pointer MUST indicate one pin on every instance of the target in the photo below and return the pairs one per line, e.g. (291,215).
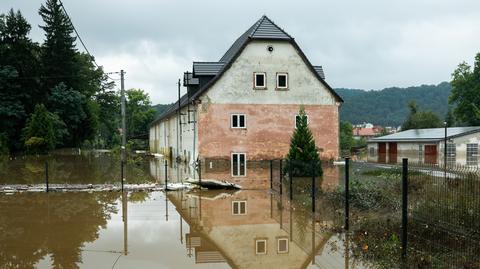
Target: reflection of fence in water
(309,231)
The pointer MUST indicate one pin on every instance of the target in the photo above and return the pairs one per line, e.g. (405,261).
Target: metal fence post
(166,175)
(271,174)
(404,206)
(347,193)
(313,187)
(290,177)
(281,177)
(46,175)
(199,171)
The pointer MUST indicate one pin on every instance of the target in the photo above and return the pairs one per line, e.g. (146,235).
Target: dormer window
(260,80)
(282,81)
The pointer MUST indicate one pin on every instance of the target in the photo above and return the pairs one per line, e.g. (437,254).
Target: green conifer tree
(59,53)
(303,157)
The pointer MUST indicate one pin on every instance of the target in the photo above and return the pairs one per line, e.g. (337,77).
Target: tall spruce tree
(59,53)
(303,158)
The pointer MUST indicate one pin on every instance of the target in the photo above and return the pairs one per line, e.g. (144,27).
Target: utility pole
(124,124)
(179,125)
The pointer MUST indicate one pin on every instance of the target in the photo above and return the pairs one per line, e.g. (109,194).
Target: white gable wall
(236,84)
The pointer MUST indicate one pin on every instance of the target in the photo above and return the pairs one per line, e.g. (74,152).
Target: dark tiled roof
(319,71)
(207,68)
(432,134)
(263,29)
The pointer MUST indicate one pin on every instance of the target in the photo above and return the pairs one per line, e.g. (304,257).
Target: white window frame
(278,245)
(264,80)
(238,164)
(295,121)
(286,80)
(237,204)
(469,162)
(451,154)
(238,121)
(256,246)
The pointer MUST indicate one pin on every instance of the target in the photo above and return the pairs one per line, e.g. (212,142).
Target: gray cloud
(368,44)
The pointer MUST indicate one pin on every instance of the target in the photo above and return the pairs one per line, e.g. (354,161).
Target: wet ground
(200,229)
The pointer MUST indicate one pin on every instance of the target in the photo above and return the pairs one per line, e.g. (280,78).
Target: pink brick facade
(268,130)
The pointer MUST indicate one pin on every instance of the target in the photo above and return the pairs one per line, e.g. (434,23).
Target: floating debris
(214,184)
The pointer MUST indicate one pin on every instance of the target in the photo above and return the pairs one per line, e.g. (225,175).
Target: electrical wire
(81,40)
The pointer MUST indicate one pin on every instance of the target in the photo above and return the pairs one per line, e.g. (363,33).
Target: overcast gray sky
(368,44)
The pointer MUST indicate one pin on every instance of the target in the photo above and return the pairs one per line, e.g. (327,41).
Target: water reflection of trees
(33,226)
(72,169)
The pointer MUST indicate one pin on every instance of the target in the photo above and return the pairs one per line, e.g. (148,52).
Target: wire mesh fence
(434,211)
(444,211)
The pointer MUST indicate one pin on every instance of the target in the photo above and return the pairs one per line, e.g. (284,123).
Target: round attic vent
(270,48)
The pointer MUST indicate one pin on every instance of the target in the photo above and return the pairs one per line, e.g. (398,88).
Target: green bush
(35,145)
(370,194)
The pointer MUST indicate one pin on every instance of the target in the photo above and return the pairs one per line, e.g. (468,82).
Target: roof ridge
(257,25)
(281,29)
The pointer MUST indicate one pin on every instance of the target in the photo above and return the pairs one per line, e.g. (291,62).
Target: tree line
(52,95)
(461,107)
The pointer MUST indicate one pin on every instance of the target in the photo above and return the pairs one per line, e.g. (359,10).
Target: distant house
(427,146)
(362,132)
(244,106)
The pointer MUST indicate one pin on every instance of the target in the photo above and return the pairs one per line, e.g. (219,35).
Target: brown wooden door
(431,154)
(382,152)
(392,152)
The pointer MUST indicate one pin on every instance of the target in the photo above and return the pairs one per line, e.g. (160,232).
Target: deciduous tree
(466,92)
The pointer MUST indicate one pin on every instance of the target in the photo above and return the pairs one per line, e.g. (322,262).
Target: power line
(80,38)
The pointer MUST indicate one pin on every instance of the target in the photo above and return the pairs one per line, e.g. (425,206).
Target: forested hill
(388,107)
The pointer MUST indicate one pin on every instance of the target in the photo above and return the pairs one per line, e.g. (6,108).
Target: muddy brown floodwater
(197,229)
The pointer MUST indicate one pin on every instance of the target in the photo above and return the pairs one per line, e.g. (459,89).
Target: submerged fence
(420,214)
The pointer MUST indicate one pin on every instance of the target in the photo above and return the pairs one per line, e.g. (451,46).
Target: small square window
(282,245)
(260,80)
(239,207)
(238,121)
(282,81)
(261,246)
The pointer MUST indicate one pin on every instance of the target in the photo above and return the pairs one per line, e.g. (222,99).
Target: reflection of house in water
(249,229)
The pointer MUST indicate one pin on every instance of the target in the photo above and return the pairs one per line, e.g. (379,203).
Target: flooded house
(427,146)
(244,106)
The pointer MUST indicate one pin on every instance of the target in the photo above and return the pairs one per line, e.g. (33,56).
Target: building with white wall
(244,106)
(428,146)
